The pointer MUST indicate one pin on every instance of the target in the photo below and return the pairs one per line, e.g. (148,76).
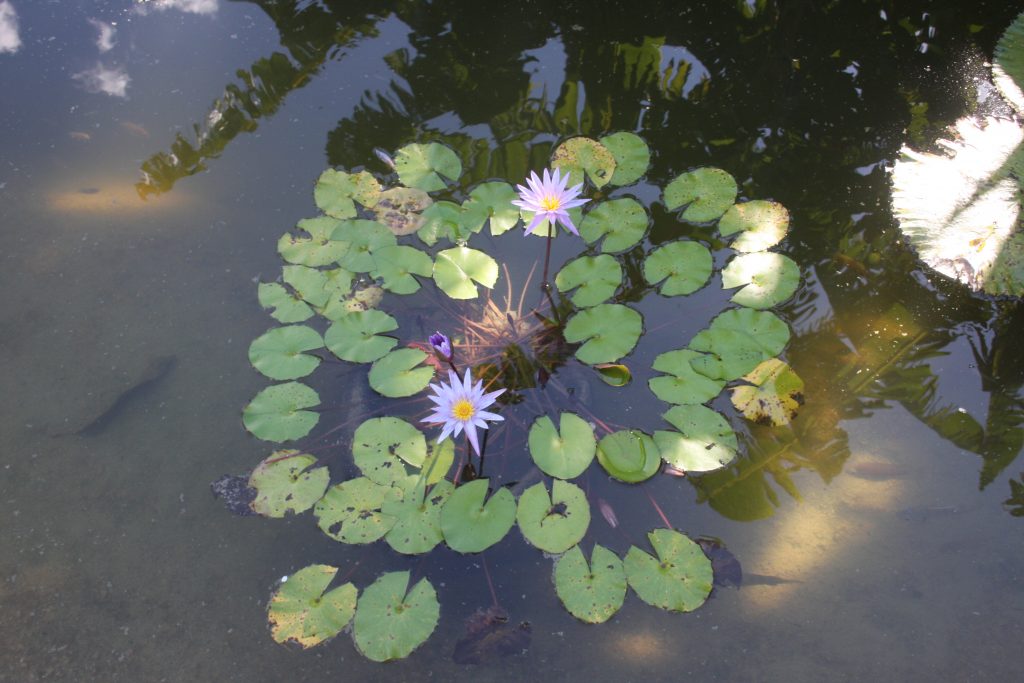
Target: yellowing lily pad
(678,579)
(594,592)
(400,209)
(774,395)
(304,612)
(581,156)
(762,224)
(287,483)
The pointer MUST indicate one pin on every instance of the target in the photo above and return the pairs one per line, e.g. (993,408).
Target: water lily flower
(460,405)
(442,344)
(549,199)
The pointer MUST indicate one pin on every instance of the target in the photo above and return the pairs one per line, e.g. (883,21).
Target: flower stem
(544,284)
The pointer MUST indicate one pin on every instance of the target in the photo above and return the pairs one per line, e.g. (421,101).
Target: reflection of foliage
(1015,503)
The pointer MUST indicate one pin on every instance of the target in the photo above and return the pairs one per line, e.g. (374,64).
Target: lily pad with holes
(704,441)
(490,202)
(564,452)
(677,579)
(629,455)
(391,620)
(455,271)
(286,307)
(400,209)
(351,512)
(397,265)
(682,384)
(736,341)
(286,482)
(632,157)
(443,220)
(417,514)
(762,224)
(276,413)
(681,267)
(358,336)
(595,279)
(774,395)
(609,331)
(304,612)
(557,522)
(400,373)
(470,525)
(279,353)
(425,166)
(591,592)
(318,249)
(309,283)
(767,279)
(622,223)
(581,156)
(362,238)
(336,192)
(381,445)
(706,192)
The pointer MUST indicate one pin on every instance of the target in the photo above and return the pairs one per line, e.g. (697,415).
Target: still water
(152,153)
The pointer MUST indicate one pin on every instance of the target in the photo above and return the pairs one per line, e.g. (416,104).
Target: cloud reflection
(105,40)
(9,39)
(101,79)
(192,6)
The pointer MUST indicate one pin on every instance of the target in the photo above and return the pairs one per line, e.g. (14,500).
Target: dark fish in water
(921,513)
(489,635)
(876,470)
(607,512)
(157,369)
(234,491)
(385,157)
(767,580)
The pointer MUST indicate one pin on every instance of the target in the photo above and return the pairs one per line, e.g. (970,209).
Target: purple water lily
(442,344)
(549,199)
(460,405)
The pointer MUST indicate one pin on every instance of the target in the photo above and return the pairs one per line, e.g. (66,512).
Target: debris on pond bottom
(489,635)
(234,491)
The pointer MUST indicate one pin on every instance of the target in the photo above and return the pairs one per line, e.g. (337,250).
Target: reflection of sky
(193,6)
(102,79)
(546,67)
(673,56)
(105,39)
(9,40)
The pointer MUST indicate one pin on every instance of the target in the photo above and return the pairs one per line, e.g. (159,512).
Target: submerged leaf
(622,223)
(390,623)
(300,610)
(610,331)
(400,373)
(629,455)
(684,266)
(767,279)
(614,374)
(422,166)
(456,269)
(763,224)
(400,209)
(595,279)
(632,157)
(565,452)
(278,353)
(276,413)
(773,396)
(594,592)
(584,155)
(470,525)
(679,579)
(335,191)
(286,482)
(708,192)
(705,440)
(557,522)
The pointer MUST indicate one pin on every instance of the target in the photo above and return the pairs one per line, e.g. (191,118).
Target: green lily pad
(679,579)
(610,330)
(302,612)
(622,223)
(357,337)
(319,249)
(565,452)
(287,307)
(397,266)
(352,511)
(681,383)
(594,592)
(335,191)
(597,278)
(278,353)
(390,623)
(614,374)
(417,514)
(584,155)
(400,373)
(362,238)
(736,341)
(337,283)
(629,455)
(774,395)
(285,483)
(276,413)
(705,440)
(763,224)
(707,191)
(1008,64)
(684,266)
(557,522)
(471,526)
(422,166)
(442,220)
(490,202)
(767,279)
(632,157)
(400,210)
(381,445)
(456,269)
(308,283)
(439,462)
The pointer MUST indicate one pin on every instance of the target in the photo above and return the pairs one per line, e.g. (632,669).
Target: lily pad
(440,460)
(490,202)
(362,238)
(679,579)
(400,373)
(424,166)
(594,592)
(622,223)
(774,395)
(629,455)
(763,224)
(397,265)
(1008,64)
(565,452)
(736,341)
(684,266)
(390,623)
(471,526)
(287,307)
(417,516)
(705,440)
(682,384)
(278,353)
(442,220)
(335,191)
(557,522)
(357,337)
(708,192)
(318,249)
(400,209)
(351,512)
(456,269)
(380,445)
(767,279)
(276,413)
(584,155)
(596,277)
(302,612)
(632,157)
(609,330)
(309,283)
(285,483)
(614,374)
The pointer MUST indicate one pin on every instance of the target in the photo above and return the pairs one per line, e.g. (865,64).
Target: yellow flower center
(550,203)
(462,410)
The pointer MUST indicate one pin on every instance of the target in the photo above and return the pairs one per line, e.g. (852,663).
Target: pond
(154,153)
